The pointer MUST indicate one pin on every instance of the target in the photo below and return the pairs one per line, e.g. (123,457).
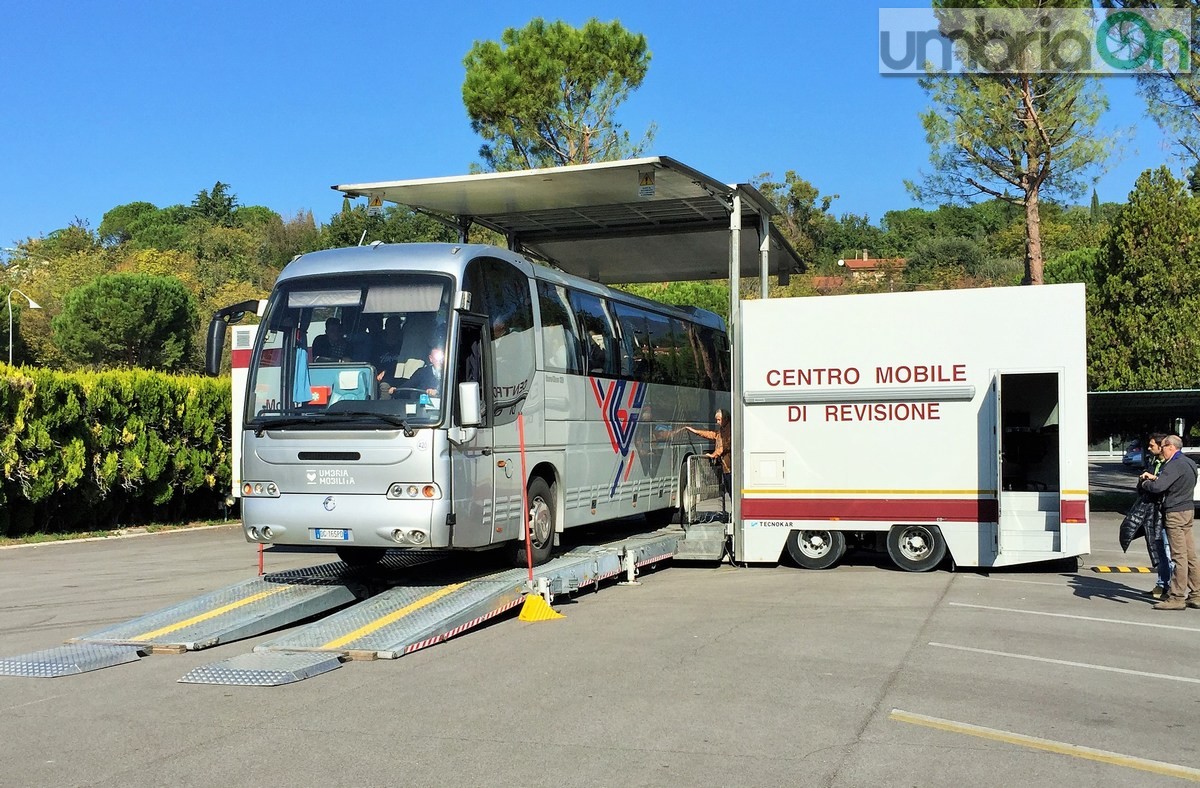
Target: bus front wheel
(541,525)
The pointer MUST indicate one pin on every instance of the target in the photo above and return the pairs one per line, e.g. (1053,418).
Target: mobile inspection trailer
(923,423)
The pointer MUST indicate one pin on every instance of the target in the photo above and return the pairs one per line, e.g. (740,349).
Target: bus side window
(560,337)
(600,352)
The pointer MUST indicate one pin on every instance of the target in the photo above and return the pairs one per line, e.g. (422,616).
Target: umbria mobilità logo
(920,41)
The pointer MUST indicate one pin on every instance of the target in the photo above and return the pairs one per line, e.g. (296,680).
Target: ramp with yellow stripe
(239,611)
(408,618)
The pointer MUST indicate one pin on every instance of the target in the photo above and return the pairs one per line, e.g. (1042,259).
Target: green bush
(89,451)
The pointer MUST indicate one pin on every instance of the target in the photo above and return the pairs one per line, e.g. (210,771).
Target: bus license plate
(331,534)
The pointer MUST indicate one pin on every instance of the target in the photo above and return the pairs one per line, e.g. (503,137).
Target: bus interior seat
(343,381)
(418,339)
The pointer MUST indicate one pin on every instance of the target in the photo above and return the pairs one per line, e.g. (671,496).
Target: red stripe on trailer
(971,510)
(1073,512)
(241,359)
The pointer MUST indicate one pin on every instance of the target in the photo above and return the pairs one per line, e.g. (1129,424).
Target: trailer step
(264,669)
(702,542)
(70,660)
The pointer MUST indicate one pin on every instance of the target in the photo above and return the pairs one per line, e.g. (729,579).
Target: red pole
(525,496)
(260,560)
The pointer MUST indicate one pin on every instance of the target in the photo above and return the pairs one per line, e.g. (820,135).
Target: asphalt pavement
(702,675)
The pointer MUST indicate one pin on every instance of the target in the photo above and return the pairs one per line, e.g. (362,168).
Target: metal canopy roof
(638,220)
(1138,408)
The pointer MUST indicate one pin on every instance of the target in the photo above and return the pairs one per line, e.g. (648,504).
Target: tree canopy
(1018,135)
(547,94)
(1148,287)
(135,320)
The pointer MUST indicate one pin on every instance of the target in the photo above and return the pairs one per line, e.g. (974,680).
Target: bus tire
(361,556)
(916,548)
(816,549)
(542,525)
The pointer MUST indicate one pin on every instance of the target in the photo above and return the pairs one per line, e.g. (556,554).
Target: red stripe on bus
(1073,511)
(978,510)
(241,359)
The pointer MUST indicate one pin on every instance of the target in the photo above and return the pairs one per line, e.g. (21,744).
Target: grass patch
(42,538)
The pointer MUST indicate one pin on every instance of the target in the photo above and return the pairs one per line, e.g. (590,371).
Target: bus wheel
(361,556)
(541,521)
(816,549)
(916,548)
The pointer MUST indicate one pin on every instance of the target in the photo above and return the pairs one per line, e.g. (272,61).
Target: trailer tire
(542,508)
(916,548)
(816,549)
(361,556)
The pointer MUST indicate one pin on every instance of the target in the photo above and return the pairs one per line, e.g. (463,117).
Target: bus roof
(604,221)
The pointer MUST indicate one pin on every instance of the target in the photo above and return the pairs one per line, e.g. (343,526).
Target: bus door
(472,461)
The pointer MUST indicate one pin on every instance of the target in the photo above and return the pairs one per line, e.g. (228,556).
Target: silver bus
(422,395)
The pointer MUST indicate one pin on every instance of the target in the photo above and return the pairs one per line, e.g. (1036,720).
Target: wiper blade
(261,424)
(395,421)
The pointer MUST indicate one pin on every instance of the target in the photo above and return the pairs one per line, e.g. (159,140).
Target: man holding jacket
(1176,480)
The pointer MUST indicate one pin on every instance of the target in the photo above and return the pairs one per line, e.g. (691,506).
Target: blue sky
(110,103)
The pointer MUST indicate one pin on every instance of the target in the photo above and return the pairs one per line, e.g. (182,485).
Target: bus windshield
(342,350)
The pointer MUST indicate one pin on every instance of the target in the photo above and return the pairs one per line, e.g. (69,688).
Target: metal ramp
(703,541)
(405,619)
(243,610)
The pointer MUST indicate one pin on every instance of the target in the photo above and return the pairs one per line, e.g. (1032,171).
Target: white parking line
(1049,745)
(1069,663)
(1078,618)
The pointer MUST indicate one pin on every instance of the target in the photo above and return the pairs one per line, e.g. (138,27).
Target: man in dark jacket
(1176,480)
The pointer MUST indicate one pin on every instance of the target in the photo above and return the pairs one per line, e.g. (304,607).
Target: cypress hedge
(102,450)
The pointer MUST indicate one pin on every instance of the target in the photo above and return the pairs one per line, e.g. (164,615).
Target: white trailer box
(924,421)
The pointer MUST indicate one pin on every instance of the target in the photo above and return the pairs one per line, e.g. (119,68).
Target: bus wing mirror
(470,413)
(215,347)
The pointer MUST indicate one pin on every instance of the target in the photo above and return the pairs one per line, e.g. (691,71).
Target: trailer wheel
(541,520)
(361,556)
(816,549)
(916,548)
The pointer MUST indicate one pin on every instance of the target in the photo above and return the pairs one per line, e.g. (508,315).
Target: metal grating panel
(264,669)
(69,660)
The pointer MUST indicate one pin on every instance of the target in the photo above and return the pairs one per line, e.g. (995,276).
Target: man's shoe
(1193,601)
(1171,604)
(1158,592)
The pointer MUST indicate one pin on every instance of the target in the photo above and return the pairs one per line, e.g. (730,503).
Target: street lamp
(32,305)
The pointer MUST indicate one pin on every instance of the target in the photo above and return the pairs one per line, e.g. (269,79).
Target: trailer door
(998,453)
(1028,462)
